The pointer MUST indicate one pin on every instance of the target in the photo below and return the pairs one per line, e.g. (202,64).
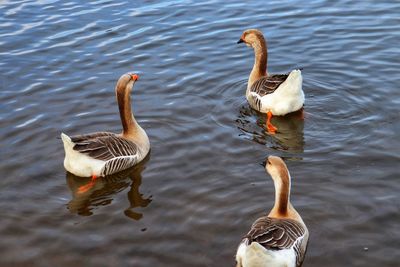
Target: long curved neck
(128,121)
(260,61)
(282,205)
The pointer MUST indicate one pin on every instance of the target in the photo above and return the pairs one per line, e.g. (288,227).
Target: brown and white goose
(274,94)
(279,239)
(104,153)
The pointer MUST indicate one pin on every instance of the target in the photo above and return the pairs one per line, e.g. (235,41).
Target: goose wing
(278,234)
(104,146)
(268,84)
(118,164)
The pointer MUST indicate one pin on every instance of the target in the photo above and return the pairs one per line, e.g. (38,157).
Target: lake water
(202,186)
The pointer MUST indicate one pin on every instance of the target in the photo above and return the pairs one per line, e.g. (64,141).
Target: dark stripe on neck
(125,111)
(261,55)
(284,193)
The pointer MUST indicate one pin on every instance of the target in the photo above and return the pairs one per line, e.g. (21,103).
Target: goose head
(126,82)
(251,37)
(277,168)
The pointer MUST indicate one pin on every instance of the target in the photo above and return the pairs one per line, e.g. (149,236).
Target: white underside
(289,96)
(80,164)
(255,255)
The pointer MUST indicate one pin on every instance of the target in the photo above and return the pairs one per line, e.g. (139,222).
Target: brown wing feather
(277,234)
(268,84)
(103,145)
(87,137)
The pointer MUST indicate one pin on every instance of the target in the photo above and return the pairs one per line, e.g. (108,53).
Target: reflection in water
(101,193)
(290,134)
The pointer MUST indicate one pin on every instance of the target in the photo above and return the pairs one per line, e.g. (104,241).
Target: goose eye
(269,162)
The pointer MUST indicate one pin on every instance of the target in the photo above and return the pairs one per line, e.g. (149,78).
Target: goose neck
(128,121)
(260,61)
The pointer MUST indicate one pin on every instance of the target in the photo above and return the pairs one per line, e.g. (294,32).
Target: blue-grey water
(202,186)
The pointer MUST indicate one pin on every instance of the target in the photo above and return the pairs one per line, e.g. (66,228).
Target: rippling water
(202,186)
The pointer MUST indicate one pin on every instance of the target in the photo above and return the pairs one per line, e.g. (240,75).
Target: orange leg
(271,128)
(86,187)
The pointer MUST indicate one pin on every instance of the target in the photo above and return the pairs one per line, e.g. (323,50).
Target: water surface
(202,186)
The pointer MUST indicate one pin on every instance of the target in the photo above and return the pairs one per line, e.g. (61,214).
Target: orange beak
(135,77)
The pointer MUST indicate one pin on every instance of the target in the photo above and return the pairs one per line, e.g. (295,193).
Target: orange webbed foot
(88,186)
(271,128)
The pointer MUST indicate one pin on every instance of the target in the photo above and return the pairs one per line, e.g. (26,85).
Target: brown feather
(268,84)
(278,234)
(104,145)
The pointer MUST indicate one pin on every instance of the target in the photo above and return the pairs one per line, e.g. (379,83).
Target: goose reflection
(289,138)
(101,193)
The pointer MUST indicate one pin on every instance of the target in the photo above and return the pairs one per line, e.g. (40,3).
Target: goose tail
(68,148)
(68,144)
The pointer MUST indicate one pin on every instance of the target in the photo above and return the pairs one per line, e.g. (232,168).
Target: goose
(273,94)
(104,153)
(280,238)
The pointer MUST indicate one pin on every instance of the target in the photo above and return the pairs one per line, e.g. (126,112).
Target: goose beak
(135,77)
(240,41)
(264,163)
